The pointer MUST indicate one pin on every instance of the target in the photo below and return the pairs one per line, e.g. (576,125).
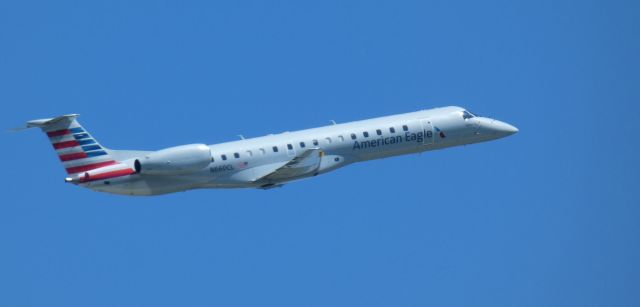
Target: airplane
(262,162)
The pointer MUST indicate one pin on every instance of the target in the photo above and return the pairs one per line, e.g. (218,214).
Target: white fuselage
(265,162)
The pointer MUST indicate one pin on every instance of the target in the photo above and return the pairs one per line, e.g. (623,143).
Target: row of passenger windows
(314,142)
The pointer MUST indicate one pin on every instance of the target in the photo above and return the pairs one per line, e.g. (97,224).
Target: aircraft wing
(303,164)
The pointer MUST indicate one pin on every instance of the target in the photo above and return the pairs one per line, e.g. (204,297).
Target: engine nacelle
(174,160)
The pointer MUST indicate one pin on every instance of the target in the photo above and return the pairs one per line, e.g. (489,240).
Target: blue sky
(548,217)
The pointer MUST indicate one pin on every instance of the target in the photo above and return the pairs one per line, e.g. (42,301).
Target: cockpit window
(467,115)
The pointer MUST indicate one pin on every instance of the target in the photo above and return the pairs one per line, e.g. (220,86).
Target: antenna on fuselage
(241,136)
(333,121)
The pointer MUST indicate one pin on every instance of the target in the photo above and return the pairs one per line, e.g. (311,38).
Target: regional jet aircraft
(263,162)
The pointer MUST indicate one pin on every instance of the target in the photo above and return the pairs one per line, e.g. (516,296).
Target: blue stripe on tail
(91,147)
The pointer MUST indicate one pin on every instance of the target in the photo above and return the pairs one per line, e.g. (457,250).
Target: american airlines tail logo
(78,150)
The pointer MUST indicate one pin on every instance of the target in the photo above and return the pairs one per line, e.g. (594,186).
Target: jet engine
(174,160)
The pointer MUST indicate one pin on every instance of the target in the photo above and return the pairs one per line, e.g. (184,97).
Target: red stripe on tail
(66,144)
(88,167)
(73,156)
(107,175)
(58,132)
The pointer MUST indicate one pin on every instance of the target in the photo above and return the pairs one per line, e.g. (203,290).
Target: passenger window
(262,151)
(249,153)
(405,128)
(275,148)
(341,138)
(212,160)
(392,130)
(289,146)
(224,157)
(366,134)
(378,132)
(315,142)
(353,136)
(328,140)
(302,145)
(236,155)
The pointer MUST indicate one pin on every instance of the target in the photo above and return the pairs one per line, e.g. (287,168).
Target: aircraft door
(427,129)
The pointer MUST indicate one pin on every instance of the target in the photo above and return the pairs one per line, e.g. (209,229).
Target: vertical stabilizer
(78,151)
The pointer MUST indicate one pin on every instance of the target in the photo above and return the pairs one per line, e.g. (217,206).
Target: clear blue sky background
(548,217)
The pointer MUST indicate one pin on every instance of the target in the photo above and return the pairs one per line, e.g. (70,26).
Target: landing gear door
(427,130)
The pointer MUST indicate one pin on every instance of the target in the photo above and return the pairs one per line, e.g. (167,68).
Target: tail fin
(77,149)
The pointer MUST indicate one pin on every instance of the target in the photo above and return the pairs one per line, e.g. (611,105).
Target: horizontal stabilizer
(50,121)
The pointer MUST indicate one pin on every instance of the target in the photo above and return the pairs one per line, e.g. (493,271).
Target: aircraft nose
(502,128)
